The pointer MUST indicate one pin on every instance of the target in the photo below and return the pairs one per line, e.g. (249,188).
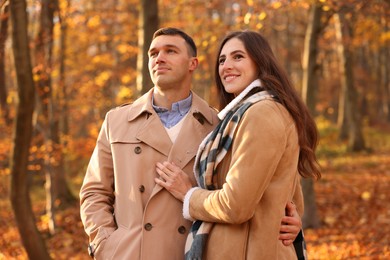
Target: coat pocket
(111,244)
(228,241)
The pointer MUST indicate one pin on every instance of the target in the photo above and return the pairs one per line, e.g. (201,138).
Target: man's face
(170,64)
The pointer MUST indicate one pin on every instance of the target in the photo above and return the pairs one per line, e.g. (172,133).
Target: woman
(249,167)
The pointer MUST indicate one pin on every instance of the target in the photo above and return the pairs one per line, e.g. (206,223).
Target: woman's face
(236,69)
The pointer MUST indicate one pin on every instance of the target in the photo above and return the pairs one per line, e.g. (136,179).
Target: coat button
(148,226)
(141,188)
(137,150)
(182,229)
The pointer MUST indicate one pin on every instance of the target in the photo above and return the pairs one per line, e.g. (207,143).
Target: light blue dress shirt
(170,118)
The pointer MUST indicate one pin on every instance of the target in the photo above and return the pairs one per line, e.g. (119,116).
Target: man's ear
(193,63)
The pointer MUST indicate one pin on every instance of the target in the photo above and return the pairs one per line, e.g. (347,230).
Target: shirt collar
(181,106)
(144,105)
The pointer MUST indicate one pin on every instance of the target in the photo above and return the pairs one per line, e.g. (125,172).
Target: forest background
(65,63)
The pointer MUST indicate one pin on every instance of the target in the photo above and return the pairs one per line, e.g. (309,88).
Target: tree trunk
(43,53)
(21,204)
(310,67)
(4,17)
(309,90)
(384,56)
(352,114)
(385,82)
(64,195)
(310,217)
(148,24)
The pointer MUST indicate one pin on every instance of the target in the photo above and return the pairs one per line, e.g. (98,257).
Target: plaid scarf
(211,152)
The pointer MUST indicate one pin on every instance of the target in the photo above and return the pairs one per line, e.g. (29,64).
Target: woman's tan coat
(126,215)
(259,176)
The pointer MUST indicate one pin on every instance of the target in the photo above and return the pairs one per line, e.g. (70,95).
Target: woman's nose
(226,64)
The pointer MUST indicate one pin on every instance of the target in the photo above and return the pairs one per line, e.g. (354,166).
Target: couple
(247,167)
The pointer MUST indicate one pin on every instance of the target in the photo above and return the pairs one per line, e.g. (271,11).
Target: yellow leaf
(366,195)
(330,220)
(102,78)
(262,16)
(247,18)
(276,5)
(94,21)
(126,79)
(125,93)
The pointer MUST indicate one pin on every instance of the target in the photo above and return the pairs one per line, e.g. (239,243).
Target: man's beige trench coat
(126,215)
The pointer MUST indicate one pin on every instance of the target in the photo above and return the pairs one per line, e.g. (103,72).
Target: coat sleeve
(97,192)
(258,146)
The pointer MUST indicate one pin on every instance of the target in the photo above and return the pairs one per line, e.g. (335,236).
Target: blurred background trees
(89,56)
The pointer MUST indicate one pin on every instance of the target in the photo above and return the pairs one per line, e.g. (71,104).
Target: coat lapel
(188,140)
(198,123)
(154,134)
(151,131)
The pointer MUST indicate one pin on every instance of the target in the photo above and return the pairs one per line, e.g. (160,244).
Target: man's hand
(291,225)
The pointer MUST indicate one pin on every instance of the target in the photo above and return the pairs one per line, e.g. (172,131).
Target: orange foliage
(100,61)
(352,202)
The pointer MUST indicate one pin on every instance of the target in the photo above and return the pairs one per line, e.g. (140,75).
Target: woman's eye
(221,61)
(237,57)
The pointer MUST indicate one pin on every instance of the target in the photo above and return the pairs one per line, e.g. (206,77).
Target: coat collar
(199,106)
(143,104)
(140,106)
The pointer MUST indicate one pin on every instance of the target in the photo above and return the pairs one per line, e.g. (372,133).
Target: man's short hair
(174,31)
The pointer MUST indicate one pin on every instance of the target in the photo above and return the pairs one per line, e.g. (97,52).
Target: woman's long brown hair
(275,79)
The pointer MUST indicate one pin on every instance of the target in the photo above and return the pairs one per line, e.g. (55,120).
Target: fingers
(287,242)
(164,167)
(160,182)
(291,225)
(173,179)
(291,209)
(287,234)
(292,217)
(169,173)
(289,229)
(294,221)
(167,169)
(167,166)
(164,172)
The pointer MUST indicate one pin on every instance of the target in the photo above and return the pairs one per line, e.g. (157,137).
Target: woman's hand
(173,179)
(291,225)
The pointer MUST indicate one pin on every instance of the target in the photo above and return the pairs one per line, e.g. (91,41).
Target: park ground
(352,199)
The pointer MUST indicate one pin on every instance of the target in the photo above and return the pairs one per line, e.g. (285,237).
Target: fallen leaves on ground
(352,199)
(353,203)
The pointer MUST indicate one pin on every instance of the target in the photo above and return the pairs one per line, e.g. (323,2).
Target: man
(125,214)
